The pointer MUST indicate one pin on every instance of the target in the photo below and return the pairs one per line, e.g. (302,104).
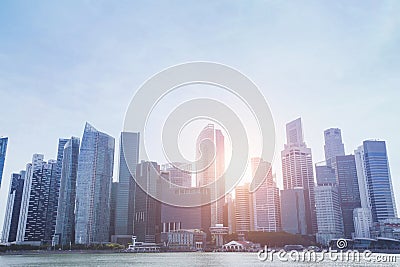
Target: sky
(332,63)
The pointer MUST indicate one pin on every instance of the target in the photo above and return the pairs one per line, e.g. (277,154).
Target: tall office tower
(265,200)
(329,214)
(13,208)
(3,150)
(179,173)
(128,159)
(54,191)
(35,224)
(65,220)
(93,187)
(297,169)
(349,194)
(375,181)
(333,144)
(242,208)
(113,206)
(295,208)
(324,173)
(229,214)
(210,149)
(147,219)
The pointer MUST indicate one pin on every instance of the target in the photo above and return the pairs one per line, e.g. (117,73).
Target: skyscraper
(297,169)
(3,150)
(128,159)
(265,200)
(179,173)
(147,220)
(211,166)
(13,208)
(327,193)
(242,208)
(329,214)
(349,194)
(376,181)
(295,208)
(65,222)
(93,187)
(333,144)
(54,190)
(36,224)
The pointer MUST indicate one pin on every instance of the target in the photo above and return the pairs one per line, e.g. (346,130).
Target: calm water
(159,259)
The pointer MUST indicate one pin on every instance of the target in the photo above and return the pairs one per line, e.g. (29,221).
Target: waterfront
(159,259)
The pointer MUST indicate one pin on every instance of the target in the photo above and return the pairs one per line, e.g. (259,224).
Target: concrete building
(242,208)
(297,170)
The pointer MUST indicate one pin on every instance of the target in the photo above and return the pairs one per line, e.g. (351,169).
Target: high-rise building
(113,206)
(324,173)
(362,222)
(265,200)
(242,208)
(297,169)
(210,168)
(229,214)
(147,220)
(179,173)
(349,194)
(294,211)
(36,225)
(329,214)
(13,208)
(65,222)
(93,187)
(128,159)
(376,184)
(333,144)
(3,151)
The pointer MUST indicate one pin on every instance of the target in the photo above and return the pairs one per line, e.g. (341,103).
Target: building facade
(128,159)
(329,214)
(147,219)
(297,170)
(65,220)
(3,151)
(13,208)
(36,224)
(210,168)
(295,207)
(376,183)
(93,187)
(242,208)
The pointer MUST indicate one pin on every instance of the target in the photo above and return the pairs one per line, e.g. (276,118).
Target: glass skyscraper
(13,208)
(65,222)
(93,187)
(128,159)
(3,150)
(377,180)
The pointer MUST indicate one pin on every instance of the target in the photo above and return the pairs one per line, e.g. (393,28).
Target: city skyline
(311,60)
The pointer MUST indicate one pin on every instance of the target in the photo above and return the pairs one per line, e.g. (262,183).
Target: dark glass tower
(3,150)
(13,209)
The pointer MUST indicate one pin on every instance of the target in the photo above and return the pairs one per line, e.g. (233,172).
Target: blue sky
(334,63)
